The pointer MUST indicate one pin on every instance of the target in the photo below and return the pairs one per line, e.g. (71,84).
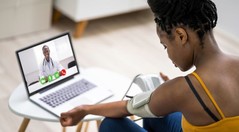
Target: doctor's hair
(44,46)
(199,15)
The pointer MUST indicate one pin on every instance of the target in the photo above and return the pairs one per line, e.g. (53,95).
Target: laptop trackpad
(80,101)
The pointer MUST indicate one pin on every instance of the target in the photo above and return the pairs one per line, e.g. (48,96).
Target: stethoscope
(44,63)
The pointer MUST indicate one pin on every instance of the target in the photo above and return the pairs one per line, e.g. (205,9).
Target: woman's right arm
(114,110)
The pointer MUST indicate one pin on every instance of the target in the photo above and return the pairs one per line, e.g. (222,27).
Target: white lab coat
(49,68)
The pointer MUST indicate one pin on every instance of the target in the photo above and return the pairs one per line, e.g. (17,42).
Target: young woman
(206,100)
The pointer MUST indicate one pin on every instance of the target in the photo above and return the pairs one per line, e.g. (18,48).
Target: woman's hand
(73,117)
(164,77)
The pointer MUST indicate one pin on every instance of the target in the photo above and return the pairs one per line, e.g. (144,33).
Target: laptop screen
(47,63)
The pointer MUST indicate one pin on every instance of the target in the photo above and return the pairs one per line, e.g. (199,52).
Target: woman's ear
(182,35)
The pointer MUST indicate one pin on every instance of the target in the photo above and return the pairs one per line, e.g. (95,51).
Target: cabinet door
(34,16)
(7,23)
(91,9)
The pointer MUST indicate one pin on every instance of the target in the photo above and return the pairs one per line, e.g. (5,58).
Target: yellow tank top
(226,124)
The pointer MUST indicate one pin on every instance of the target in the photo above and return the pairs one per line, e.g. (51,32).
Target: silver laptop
(52,77)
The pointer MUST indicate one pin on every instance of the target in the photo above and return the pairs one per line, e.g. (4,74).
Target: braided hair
(199,15)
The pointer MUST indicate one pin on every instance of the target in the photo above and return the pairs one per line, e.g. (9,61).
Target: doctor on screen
(48,68)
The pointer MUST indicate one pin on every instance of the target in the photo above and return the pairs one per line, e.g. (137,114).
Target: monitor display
(47,62)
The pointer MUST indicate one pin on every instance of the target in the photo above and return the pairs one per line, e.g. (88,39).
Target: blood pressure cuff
(138,105)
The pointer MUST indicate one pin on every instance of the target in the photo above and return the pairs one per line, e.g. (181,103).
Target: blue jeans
(170,123)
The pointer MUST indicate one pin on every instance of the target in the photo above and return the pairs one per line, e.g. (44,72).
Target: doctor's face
(46,53)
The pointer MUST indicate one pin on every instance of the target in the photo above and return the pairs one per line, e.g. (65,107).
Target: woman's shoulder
(177,88)
(170,96)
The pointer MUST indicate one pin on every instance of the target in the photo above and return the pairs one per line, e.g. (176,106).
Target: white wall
(228,16)
(28,61)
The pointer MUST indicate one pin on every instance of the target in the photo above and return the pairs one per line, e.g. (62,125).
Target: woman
(207,98)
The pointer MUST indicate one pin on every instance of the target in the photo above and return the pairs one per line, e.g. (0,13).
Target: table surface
(22,106)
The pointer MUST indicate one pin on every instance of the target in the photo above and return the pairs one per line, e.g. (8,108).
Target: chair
(71,64)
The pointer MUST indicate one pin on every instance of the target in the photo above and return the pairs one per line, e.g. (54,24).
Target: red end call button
(63,72)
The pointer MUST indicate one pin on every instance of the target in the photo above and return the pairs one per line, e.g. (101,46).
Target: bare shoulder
(234,61)
(169,97)
(230,59)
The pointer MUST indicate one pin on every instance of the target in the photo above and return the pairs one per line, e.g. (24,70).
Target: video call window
(47,63)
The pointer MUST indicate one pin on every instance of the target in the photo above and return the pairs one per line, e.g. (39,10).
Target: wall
(228,17)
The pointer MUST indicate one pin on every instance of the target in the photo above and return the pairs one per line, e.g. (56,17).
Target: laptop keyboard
(56,98)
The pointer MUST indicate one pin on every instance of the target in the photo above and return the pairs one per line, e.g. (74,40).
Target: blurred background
(117,35)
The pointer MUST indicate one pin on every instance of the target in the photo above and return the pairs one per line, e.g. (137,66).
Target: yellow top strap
(209,94)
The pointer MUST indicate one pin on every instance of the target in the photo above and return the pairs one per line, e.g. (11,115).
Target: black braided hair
(199,15)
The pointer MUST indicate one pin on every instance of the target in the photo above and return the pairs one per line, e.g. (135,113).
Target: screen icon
(50,78)
(42,80)
(63,72)
(57,75)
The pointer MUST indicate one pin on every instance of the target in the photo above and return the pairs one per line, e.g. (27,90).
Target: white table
(22,106)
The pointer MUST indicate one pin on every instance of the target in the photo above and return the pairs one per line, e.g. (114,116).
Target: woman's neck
(206,52)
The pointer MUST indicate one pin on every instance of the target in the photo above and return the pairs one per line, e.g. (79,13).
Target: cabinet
(80,11)
(24,16)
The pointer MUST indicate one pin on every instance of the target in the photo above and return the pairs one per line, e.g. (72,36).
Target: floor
(126,44)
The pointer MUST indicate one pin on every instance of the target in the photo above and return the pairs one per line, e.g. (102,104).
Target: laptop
(52,78)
